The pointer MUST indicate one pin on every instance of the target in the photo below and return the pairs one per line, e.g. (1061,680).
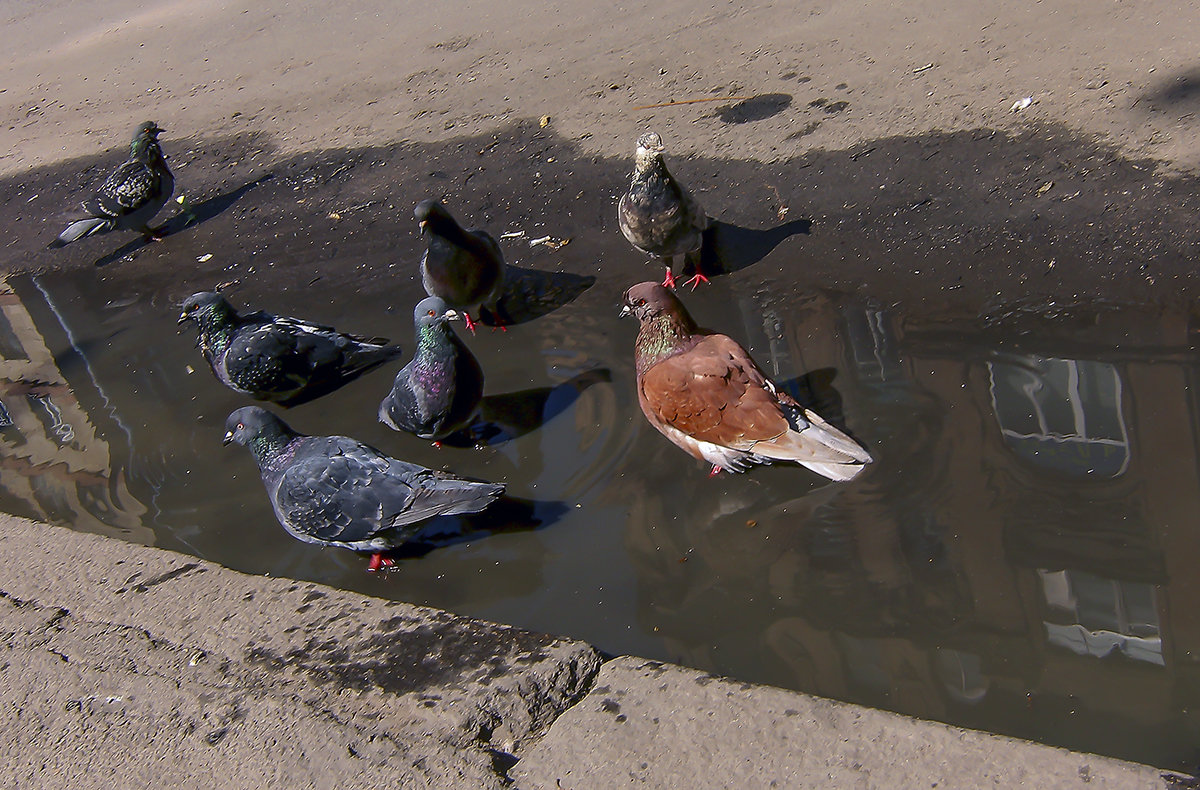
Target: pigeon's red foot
(696,279)
(669,279)
(470,322)
(379,561)
(716,470)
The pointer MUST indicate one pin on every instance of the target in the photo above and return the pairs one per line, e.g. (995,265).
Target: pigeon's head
(433,310)
(148,129)
(205,308)
(251,422)
(650,144)
(432,214)
(649,300)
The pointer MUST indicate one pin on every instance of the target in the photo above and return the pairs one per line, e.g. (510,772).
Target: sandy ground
(78,77)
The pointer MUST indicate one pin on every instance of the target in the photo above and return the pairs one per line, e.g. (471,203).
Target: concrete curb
(156,669)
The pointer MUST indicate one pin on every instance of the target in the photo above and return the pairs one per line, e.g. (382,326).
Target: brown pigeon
(658,215)
(706,394)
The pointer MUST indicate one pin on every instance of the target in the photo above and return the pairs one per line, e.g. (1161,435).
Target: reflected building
(55,464)
(1018,558)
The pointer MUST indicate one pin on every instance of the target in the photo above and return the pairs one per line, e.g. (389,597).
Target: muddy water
(1019,559)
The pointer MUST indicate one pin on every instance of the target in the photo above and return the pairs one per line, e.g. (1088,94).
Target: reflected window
(1093,616)
(1062,414)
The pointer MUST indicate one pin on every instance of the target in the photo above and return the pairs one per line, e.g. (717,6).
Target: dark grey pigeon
(335,491)
(658,215)
(275,358)
(131,195)
(463,267)
(439,391)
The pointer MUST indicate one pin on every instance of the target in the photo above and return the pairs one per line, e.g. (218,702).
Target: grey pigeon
(439,391)
(463,267)
(131,196)
(658,215)
(275,358)
(335,491)
(706,394)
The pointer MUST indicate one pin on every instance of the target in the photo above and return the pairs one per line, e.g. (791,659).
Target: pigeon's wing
(400,408)
(130,187)
(273,357)
(320,330)
(714,392)
(337,496)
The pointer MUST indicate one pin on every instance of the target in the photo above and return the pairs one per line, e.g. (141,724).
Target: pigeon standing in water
(335,491)
(659,216)
(704,392)
(439,391)
(463,267)
(131,196)
(275,358)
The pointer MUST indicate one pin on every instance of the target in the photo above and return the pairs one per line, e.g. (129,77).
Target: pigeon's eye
(191,308)
(240,426)
(433,312)
(641,302)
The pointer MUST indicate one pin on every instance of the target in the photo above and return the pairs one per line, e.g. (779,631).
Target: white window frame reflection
(1086,636)
(1051,382)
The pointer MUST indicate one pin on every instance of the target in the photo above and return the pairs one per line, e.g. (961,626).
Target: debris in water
(1022,104)
(205,258)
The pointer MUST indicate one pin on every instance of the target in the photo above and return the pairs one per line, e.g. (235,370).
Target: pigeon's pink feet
(696,279)
(379,561)
(669,279)
(469,321)
(716,470)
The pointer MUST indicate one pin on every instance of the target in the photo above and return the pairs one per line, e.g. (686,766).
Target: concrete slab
(647,724)
(161,670)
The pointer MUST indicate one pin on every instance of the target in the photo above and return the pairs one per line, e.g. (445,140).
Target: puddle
(1019,559)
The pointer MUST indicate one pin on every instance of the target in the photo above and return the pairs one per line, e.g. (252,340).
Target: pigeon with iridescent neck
(706,394)
(276,358)
(335,491)
(131,195)
(464,267)
(659,216)
(439,391)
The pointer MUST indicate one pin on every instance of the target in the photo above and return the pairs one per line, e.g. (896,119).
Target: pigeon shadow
(505,417)
(533,293)
(505,515)
(730,248)
(192,214)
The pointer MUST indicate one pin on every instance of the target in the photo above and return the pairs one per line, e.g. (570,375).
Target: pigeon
(336,491)
(706,394)
(438,392)
(464,267)
(279,359)
(131,196)
(658,215)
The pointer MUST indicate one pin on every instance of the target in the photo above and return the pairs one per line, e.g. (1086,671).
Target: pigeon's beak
(183,319)
(452,315)
(228,438)
(421,225)
(626,310)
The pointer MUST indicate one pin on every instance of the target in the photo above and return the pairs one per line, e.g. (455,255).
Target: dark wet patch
(403,660)
(756,108)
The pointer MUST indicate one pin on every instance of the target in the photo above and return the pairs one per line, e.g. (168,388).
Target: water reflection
(1019,558)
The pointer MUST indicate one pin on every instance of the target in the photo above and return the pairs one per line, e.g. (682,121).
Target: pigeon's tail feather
(462,496)
(77,230)
(839,473)
(473,497)
(817,445)
(367,358)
